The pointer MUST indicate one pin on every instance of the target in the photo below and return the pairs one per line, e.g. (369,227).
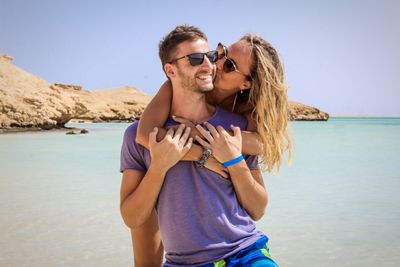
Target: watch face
(207,152)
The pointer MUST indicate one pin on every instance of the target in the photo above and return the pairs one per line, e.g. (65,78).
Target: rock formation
(31,102)
(27,101)
(301,112)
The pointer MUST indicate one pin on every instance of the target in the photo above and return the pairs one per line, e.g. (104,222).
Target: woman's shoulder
(243,108)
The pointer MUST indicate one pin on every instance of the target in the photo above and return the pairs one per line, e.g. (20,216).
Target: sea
(336,204)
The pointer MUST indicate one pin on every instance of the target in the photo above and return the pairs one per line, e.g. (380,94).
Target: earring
(234,103)
(241,91)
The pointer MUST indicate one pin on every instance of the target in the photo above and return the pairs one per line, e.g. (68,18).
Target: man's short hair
(167,46)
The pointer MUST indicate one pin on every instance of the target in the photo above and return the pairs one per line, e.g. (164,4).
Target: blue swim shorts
(255,255)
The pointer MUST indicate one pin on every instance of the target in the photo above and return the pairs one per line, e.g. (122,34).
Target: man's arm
(139,191)
(146,239)
(248,184)
(250,189)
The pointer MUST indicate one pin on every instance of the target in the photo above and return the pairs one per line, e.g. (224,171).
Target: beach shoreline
(362,116)
(13,130)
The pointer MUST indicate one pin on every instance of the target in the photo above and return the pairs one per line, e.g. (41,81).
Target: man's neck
(191,105)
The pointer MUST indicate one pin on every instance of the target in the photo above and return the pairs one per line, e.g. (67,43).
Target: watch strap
(207,152)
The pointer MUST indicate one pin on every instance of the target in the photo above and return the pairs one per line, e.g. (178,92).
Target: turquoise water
(338,204)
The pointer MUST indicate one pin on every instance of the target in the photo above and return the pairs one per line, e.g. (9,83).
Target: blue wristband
(233,161)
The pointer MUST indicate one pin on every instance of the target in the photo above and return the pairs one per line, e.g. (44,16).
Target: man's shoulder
(132,128)
(129,139)
(131,131)
(132,154)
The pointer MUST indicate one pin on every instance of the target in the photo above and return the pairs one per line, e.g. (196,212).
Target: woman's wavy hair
(269,101)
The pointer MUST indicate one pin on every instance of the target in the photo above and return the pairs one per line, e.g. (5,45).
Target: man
(200,216)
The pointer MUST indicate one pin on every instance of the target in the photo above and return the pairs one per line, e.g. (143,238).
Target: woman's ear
(246,85)
(169,70)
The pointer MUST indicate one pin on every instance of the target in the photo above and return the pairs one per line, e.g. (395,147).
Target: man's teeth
(204,77)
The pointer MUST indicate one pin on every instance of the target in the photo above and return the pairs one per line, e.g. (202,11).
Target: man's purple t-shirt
(200,218)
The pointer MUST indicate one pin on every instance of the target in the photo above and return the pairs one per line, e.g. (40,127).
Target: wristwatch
(207,152)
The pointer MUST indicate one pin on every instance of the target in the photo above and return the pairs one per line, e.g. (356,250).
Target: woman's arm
(251,142)
(148,249)
(155,115)
(157,111)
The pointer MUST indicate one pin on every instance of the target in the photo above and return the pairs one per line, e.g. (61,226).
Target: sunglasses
(229,64)
(196,59)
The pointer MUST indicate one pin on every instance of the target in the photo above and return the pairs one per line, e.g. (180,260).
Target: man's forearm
(136,208)
(249,189)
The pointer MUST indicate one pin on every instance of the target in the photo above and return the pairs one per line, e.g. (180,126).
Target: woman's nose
(219,64)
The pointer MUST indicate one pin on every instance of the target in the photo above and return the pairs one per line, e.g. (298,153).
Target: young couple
(195,189)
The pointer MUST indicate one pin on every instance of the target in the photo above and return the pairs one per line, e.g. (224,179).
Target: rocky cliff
(301,112)
(31,102)
(27,101)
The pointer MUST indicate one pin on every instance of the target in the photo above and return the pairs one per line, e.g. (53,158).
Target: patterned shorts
(255,255)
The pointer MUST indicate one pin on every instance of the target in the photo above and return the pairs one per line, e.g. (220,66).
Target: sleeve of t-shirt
(252,162)
(132,154)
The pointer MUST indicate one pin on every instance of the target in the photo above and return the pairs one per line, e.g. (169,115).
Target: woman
(250,81)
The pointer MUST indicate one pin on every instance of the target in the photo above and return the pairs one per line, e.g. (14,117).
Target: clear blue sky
(340,56)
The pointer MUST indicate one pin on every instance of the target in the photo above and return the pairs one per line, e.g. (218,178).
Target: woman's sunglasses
(196,59)
(229,64)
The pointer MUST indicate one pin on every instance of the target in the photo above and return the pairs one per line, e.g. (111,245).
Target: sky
(340,56)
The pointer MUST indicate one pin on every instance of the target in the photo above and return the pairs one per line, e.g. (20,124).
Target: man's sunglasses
(229,64)
(196,59)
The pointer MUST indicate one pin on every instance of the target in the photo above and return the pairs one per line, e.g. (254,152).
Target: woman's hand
(223,145)
(188,123)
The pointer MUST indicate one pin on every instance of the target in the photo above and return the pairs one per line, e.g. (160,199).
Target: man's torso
(199,215)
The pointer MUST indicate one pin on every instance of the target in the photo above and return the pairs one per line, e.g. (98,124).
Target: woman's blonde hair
(269,101)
